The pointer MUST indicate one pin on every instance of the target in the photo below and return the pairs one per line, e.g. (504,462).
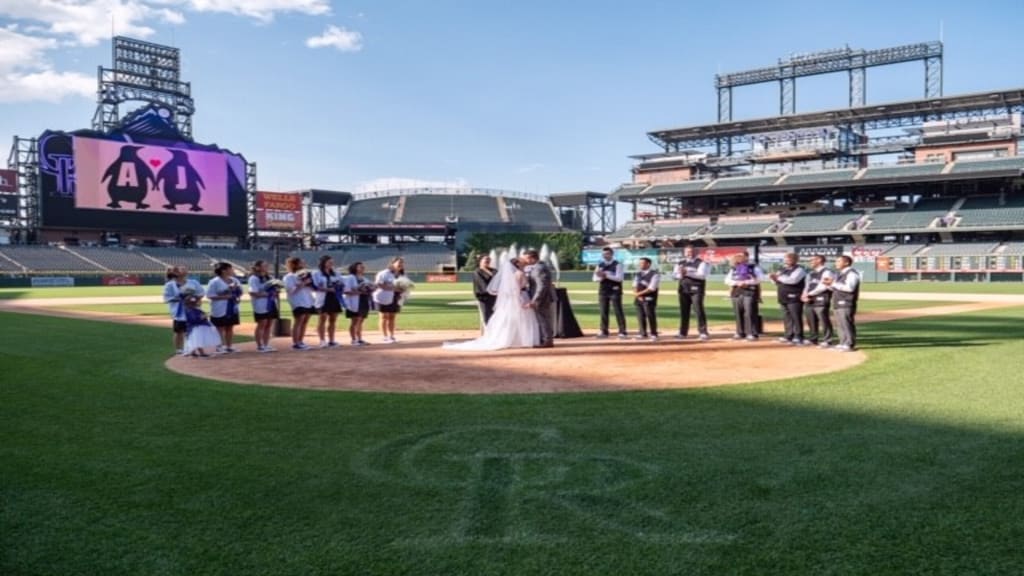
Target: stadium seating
(817,223)
(959,249)
(631,230)
(823,177)
(743,227)
(370,211)
(903,171)
(982,211)
(434,209)
(677,188)
(679,228)
(902,220)
(243,259)
(48,259)
(934,204)
(119,259)
(629,190)
(969,166)
(905,250)
(744,182)
(8,267)
(536,214)
(1012,249)
(195,260)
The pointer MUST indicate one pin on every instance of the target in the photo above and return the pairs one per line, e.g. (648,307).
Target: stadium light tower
(854,62)
(145,72)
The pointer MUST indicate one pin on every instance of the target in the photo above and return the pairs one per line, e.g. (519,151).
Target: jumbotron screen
(173,188)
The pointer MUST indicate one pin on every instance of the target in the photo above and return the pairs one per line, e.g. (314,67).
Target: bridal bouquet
(275,283)
(305,277)
(365,286)
(403,287)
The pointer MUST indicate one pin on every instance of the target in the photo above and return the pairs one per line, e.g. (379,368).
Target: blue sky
(516,94)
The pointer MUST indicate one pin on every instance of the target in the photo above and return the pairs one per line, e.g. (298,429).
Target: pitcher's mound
(418,364)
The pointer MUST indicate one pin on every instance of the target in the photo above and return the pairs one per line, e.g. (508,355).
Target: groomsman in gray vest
(609,274)
(817,300)
(645,289)
(790,283)
(845,290)
(692,274)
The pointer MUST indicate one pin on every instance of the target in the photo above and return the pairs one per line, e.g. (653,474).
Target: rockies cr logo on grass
(522,485)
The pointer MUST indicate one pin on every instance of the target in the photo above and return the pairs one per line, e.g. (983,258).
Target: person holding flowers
(298,285)
(177,282)
(358,293)
(389,296)
(328,285)
(224,292)
(266,303)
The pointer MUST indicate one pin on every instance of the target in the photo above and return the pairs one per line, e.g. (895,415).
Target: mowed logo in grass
(527,485)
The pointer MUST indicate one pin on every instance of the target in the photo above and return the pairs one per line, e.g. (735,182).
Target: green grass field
(912,463)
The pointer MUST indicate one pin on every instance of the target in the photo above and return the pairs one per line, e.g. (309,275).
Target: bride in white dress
(511,326)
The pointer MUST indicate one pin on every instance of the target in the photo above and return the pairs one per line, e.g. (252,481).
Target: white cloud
(87,22)
(263,10)
(399,183)
(341,38)
(40,27)
(26,74)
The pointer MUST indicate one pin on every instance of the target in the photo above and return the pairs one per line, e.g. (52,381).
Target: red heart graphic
(154,162)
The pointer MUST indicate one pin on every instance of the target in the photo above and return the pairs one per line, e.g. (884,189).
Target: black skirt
(393,308)
(364,308)
(225,321)
(331,304)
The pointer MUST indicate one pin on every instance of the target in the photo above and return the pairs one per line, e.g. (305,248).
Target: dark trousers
(689,300)
(611,300)
(486,307)
(544,311)
(793,320)
(744,307)
(647,316)
(846,323)
(819,323)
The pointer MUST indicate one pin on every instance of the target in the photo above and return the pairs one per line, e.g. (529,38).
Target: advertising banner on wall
(279,211)
(8,181)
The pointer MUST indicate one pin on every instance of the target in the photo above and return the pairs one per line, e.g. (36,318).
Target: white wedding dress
(511,326)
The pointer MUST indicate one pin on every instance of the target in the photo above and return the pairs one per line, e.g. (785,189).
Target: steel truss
(24,159)
(144,72)
(873,117)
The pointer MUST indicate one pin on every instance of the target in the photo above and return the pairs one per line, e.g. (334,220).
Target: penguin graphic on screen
(181,182)
(130,179)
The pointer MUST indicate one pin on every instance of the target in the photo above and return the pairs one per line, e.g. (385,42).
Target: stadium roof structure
(561,199)
(449,191)
(874,116)
(885,175)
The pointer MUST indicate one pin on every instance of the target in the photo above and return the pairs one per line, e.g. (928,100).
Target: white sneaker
(751,338)
(269,349)
(180,352)
(623,336)
(824,345)
(784,341)
(841,348)
(654,338)
(704,338)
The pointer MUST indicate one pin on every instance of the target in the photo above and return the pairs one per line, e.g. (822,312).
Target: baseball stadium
(675,455)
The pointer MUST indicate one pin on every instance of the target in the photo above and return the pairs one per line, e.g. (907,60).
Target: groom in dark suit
(542,297)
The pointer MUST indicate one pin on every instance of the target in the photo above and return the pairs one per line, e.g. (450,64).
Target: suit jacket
(542,290)
(480,283)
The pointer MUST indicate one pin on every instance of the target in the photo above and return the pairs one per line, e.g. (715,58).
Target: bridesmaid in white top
(177,282)
(298,283)
(327,283)
(387,298)
(224,292)
(266,304)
